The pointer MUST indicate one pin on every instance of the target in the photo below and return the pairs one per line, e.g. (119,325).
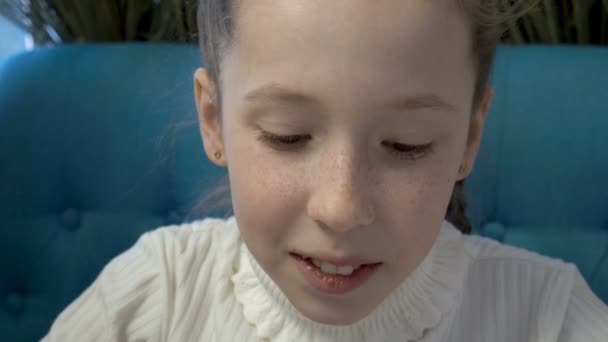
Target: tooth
(345,270)
(328,268)
(316,262)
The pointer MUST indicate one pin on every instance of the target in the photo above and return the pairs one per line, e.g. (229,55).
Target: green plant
(59,21)
(563,22)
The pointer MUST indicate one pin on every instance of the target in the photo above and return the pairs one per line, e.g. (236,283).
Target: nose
(341,200)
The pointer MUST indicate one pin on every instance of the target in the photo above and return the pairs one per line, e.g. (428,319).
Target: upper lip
(344,260)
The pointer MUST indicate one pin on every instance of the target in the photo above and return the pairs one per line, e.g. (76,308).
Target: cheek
(424,188)
(266,195)
(415,206)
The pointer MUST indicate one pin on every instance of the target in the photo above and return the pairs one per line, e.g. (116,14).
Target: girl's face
(344,126)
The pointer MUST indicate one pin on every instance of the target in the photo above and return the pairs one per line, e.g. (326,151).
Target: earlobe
(208,117)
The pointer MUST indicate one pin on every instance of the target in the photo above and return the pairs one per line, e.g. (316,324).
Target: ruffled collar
(417,305)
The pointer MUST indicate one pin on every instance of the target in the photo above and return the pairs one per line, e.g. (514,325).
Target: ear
(209,117)
(478,121)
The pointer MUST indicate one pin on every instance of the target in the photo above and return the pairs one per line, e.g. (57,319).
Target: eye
(408,152)
(283,142)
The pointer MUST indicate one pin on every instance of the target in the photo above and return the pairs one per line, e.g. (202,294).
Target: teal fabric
(99,143)
(541,179)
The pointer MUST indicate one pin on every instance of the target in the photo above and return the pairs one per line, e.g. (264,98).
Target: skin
(359,70)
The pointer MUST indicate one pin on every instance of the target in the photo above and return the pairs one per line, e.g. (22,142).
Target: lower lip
(334,284)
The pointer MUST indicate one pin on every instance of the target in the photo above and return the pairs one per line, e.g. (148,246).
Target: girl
(345,126)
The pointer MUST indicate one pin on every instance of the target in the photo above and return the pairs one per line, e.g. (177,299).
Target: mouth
(333,266)
(338,276)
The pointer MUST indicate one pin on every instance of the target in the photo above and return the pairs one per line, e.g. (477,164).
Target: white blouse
(198,282)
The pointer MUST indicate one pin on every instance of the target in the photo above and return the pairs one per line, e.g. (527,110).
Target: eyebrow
(278,93)
(423,101)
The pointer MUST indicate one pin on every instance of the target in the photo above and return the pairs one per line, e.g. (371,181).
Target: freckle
(376,180)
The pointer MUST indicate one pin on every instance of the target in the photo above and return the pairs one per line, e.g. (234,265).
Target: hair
(488,18)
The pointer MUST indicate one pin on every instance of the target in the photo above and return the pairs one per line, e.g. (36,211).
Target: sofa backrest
(541,178)
(99,143)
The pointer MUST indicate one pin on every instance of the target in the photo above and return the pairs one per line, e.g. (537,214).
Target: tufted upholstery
(98,144)
(541,179)
(95,148)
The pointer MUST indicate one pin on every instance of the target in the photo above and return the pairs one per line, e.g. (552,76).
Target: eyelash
(293,142)
(408,152)
(283,142)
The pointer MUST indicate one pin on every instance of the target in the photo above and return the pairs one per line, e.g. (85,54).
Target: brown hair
(488,21)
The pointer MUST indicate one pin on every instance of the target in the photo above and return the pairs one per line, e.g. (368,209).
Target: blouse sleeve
(124,303)
(586,317)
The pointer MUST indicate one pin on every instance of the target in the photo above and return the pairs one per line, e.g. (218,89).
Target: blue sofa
(99,143)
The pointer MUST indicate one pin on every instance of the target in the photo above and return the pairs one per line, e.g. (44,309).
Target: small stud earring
(218,155)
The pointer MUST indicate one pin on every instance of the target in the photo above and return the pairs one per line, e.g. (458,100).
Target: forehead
(351,49)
